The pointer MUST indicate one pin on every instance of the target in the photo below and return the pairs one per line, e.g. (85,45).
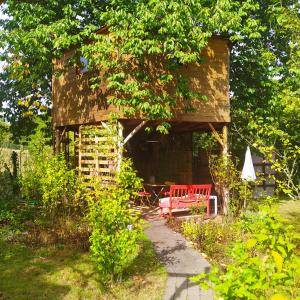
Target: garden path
(180,260)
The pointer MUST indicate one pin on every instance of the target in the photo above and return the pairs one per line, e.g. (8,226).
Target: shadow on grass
(64,273)
(47,273)
(22,275)
(145,262)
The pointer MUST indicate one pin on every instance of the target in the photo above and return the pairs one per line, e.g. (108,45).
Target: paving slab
(180,260)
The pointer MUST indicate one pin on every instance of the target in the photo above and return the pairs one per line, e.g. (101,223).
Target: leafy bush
(47,181)
(58,185)
(8,218)
(192,230)
(226,176)
(264,261)
(115,227)
(5,135)
(9,190)
(198,210)
(9,193)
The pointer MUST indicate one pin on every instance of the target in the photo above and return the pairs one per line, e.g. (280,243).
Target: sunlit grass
(64,273)
(290,210)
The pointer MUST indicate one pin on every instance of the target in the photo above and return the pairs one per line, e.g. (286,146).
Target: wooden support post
(57,141)
(223,141)
(96,155)
(59,135)
(225,156)
(120,146)
(79,149)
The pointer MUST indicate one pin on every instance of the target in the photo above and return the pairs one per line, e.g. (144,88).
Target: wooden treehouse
(157,157)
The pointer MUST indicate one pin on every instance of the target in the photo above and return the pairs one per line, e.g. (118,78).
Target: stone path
(181,262)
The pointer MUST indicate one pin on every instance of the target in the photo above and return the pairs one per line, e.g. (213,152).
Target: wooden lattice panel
(97,154)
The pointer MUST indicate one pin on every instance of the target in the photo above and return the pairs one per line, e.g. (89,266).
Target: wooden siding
(75,103)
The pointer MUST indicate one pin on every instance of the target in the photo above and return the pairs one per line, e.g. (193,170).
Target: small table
(156,190)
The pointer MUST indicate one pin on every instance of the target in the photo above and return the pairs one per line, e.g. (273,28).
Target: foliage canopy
(265,60)
(176,31)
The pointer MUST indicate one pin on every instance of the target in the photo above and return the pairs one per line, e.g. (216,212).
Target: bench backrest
(202,190)
(190,192)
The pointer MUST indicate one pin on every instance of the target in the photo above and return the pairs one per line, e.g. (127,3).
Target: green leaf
(251,243)
(278,260)
(278,297)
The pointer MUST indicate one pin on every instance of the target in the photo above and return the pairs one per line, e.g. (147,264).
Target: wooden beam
(62,134)
(134,131)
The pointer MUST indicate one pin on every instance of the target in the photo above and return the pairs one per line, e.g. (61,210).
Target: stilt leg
(207,207)
(161,215)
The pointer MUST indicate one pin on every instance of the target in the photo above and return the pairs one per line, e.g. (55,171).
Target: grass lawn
(290,210)
(64,273)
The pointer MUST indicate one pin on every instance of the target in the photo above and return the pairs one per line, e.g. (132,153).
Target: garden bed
(209,237)
(212,244)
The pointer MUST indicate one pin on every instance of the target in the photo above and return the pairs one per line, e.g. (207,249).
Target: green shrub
(210,237)
(8,218)
(9,188)
(115,227)
(264,261)
(198,210)
(9,191)
(227,177)
(58,185)
(192,230)
(49,183)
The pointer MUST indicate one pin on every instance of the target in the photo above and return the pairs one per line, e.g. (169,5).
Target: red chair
(144,195)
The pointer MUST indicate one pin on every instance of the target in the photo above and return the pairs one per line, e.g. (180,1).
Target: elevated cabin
(157,157)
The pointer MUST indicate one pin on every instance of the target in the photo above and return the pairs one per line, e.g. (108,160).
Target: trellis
(97,155)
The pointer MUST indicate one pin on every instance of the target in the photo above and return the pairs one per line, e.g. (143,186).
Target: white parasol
(248,172)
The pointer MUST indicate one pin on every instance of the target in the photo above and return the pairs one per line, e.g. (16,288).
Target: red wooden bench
(184,196)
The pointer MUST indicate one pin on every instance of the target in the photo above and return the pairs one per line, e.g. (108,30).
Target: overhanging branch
(216,135)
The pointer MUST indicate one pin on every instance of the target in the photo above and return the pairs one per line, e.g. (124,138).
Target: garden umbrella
(248,172)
